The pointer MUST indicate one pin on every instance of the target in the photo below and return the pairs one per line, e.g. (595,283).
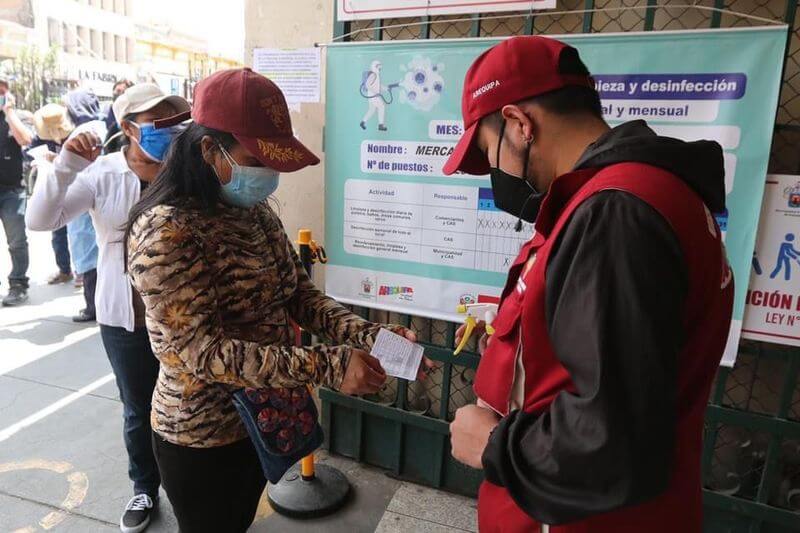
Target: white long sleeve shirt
(107,189)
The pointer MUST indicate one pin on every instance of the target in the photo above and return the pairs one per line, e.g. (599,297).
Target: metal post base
(325,493)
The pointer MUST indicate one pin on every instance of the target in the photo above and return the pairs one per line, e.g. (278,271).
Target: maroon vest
(706,321)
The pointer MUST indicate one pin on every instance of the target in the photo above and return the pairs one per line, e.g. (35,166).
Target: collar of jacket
(558,196)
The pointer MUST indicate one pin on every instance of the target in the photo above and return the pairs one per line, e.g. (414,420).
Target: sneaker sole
(15,304)
(137,529)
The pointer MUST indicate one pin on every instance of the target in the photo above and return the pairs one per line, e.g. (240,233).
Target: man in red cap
(615,314)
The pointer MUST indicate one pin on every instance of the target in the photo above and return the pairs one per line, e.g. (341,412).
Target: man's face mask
(155,142)
(513,194)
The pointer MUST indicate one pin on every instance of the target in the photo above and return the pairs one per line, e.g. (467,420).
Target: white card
(39,152)
(399,356)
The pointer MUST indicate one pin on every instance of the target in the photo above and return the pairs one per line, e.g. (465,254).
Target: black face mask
(514,195)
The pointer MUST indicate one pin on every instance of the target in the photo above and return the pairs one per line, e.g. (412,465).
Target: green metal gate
(751,460)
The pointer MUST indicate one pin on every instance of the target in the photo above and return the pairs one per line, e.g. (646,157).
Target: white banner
(378,9)
(772,311)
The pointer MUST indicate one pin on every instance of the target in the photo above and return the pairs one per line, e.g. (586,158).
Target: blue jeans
(12,215)
(61,250)
(136,370)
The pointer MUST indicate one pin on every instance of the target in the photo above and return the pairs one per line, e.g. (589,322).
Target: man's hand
(480,329)
(87,145)
(469,433)
(364,374)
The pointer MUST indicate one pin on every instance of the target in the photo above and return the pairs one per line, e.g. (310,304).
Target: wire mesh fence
(752,440)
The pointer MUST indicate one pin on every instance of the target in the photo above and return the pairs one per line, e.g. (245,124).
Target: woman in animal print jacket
(222,284)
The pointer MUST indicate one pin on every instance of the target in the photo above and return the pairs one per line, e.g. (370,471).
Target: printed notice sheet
(399,356)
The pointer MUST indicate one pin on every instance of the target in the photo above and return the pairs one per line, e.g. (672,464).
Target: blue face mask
(155,142)
(248,185)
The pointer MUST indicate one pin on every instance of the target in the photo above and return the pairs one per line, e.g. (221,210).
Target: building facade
(175,61)
(96,39)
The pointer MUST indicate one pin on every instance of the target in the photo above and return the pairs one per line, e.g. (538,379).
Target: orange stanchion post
(309,490)
(307,467)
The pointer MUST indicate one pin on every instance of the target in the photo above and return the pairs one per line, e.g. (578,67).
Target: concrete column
(281,24)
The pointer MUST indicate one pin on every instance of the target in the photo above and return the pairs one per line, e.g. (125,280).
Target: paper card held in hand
(399,356)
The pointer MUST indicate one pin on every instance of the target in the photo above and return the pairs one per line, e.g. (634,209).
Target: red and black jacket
(620,324)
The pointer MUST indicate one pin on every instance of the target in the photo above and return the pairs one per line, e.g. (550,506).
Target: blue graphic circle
(412,95)
(419,78)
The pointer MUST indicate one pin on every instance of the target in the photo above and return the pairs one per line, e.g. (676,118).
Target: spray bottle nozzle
(485,312)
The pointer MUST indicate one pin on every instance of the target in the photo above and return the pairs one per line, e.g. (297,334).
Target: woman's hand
(363,375)
(427,365)
(87,145)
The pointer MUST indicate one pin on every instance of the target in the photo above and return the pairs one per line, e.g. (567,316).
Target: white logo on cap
(483,89)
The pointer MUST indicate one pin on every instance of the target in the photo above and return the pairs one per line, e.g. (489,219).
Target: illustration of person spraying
(420,87)
(785,254)
(372,89)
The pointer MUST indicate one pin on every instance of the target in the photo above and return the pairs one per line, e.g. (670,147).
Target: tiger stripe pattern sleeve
(168,267)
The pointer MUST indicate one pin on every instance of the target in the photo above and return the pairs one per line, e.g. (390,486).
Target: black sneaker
(84,316)
(137,514)
(17,295)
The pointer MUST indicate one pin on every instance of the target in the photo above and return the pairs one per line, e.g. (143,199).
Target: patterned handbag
(283,425)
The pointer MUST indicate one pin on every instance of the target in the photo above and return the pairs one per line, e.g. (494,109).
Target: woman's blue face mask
(248,185)
(155,142)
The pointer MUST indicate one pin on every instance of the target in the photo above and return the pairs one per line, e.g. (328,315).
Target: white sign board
(772,311)
(377,9)
(296,71)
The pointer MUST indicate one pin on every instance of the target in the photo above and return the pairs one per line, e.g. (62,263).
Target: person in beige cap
(107,186)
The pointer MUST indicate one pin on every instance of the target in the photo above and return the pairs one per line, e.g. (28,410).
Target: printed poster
(403,237)
(297,71)
(772,312)
(378,9)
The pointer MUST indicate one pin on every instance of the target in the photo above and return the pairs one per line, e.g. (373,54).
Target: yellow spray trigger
(475,312)
(470,323)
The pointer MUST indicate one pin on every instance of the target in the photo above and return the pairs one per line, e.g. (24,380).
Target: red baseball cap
(253,109)
(516,69)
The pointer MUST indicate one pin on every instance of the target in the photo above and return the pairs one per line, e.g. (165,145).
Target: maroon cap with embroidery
(253,109)
(516,69)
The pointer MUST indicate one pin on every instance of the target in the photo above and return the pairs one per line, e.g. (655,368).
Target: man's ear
(519,123)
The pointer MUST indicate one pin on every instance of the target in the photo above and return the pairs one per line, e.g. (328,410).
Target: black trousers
(61,250)
(89,287)
(211,489)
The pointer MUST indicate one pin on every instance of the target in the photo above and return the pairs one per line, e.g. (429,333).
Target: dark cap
(509,72)
(253,109)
